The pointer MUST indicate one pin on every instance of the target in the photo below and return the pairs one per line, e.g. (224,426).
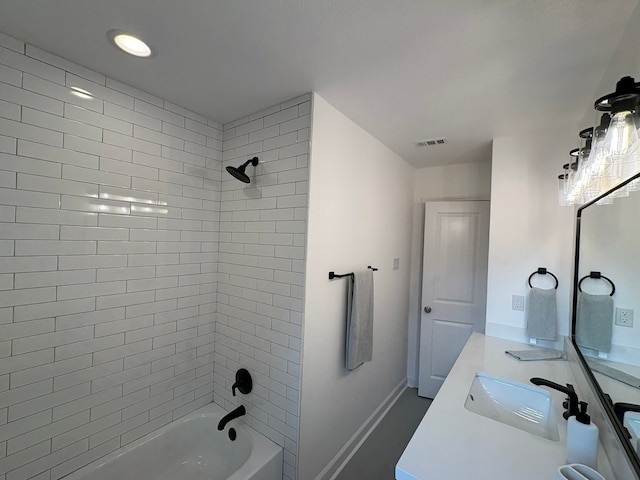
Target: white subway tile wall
(109,219)
(263,229)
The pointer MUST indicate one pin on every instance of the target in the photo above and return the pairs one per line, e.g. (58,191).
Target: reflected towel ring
(597,275)
(543,271)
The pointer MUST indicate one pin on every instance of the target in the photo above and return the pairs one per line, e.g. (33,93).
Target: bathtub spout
(238,412)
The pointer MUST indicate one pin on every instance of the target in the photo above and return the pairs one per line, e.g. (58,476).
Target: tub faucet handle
(244,383)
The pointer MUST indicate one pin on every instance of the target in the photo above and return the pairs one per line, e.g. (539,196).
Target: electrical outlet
(624,317)
(396,263)
(517,302)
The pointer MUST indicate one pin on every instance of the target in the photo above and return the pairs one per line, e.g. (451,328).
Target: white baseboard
(335,466)
(412,382)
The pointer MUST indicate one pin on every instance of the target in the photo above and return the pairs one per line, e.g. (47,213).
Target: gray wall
(359,214)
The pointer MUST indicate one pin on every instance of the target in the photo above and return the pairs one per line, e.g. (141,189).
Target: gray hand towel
(359,319)
(594,321)
(542,320)
(537,354)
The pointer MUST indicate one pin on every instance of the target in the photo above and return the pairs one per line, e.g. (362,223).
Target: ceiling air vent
(433,141)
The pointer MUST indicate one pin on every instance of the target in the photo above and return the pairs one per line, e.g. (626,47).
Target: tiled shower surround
(120,239)
(261,269)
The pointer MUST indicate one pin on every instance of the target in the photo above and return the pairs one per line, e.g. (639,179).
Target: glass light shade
(634,185)
(600,170)
(622,135)
(575,190)
(562,191)
(589,188)
(629,164)
(621,142)
(616,158)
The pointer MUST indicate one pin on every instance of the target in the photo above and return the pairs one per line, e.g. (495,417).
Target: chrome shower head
(238,172)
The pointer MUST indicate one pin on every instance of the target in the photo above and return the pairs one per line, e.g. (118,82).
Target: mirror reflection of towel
(542,319)
(360,319)
(594,321)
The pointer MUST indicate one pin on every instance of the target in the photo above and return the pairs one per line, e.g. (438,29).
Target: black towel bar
(597,275)
(542,271)
(333,275)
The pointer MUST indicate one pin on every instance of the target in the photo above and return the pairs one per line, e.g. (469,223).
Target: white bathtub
(191,448)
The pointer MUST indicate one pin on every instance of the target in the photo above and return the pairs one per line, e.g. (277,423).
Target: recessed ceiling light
(129,43)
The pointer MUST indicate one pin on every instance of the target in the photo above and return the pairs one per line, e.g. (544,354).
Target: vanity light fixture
(586,137)
(129,43)
(609,153)
(577,183)
(626,88)
(621,140)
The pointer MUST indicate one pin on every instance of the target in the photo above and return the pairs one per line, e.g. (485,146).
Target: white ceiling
(405,70)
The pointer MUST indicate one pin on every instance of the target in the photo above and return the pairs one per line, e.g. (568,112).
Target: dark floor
(377,457)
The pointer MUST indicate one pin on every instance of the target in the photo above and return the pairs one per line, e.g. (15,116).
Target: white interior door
(454,286)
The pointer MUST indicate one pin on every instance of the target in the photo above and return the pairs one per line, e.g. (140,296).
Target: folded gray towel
(532,355)
(359,319)
(542,319)
(594,321)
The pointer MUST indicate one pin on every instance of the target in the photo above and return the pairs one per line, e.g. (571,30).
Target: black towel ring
(598,275)
(543,271)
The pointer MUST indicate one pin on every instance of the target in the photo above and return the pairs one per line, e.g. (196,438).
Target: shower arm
(253,161)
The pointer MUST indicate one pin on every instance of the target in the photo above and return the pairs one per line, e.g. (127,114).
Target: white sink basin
(519,405)
(632,424)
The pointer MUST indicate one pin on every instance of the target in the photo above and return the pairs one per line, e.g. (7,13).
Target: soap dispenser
(582,439)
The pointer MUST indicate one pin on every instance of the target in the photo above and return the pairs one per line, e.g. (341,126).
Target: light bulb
(622,135)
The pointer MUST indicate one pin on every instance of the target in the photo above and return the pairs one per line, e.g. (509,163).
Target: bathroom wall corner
(262,264)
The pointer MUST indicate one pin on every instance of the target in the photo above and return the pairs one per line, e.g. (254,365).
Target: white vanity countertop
(452,442)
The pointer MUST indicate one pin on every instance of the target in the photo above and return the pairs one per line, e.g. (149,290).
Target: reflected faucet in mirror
(629,416)
(621,408)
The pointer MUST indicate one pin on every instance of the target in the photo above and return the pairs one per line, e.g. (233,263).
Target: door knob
(427,309)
